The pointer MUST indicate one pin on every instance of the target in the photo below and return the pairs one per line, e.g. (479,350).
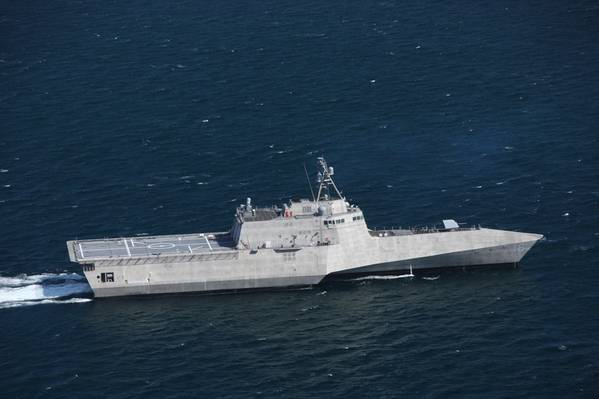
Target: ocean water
(124,118)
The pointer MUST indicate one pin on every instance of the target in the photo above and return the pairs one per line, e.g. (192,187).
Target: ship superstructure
(297,244)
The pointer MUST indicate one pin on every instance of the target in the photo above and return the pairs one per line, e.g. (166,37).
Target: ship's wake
(24,290)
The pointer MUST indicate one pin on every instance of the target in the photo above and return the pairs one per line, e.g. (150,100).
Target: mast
(325,181)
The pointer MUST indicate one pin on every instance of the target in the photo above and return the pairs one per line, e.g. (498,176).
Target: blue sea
(159,117)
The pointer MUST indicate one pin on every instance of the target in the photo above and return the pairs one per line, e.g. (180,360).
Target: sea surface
(159,117)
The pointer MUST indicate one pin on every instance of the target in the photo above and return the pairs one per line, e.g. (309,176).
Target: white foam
(431,278)
(23,279)
(25,290)
(310,308)
(43,302)
(382,277)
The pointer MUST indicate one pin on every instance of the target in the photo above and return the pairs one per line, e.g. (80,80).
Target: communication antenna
(309,183)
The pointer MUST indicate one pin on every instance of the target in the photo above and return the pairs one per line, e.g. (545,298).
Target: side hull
(499,255)
(212,286)
(240,270)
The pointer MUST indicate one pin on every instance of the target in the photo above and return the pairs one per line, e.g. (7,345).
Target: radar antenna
(325,182)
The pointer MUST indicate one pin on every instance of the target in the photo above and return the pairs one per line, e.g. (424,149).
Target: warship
(296,244)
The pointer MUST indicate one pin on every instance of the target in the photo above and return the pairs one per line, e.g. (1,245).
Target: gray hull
(207,287)
(296,245)
(233,269)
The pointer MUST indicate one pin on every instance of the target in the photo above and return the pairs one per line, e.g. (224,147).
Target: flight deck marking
(198,248)
(161,245)
(207,242)
(127,246)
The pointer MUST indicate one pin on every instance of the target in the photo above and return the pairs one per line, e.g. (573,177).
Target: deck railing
(398,231)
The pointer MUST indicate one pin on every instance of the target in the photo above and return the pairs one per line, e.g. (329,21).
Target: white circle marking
(161,245)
